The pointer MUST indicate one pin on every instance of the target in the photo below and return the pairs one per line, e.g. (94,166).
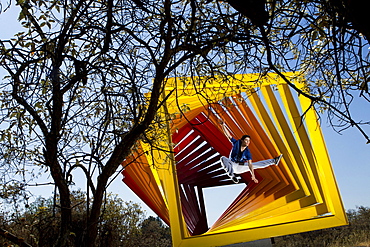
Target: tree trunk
(65,200)
(121,151)
(51,156)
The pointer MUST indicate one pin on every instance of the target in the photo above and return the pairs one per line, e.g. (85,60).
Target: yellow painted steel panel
(300,194)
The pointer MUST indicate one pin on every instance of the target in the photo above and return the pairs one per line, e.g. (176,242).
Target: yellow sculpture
(297,195)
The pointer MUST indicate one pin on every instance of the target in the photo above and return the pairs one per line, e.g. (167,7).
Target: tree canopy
(78,73)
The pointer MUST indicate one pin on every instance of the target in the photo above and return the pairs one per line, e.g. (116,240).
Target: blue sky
(349,153)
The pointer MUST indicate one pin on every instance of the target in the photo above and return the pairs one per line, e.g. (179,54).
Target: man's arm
(252,171)
(226,131)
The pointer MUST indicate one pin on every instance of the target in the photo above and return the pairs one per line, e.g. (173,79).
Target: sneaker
(235,179)
(277,159)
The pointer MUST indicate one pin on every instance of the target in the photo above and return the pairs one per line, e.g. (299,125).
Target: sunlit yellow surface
(299,195)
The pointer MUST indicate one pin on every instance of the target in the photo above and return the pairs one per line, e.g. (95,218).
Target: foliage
(122,224)
(356,233)
(319,39)
(326,41)
(155,233)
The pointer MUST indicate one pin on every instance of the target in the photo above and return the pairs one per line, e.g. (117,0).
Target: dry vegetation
(357,233)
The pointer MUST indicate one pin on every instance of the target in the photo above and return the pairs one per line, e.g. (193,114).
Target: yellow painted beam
(300,194)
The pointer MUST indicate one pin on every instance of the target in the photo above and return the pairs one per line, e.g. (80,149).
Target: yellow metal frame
(314,204)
